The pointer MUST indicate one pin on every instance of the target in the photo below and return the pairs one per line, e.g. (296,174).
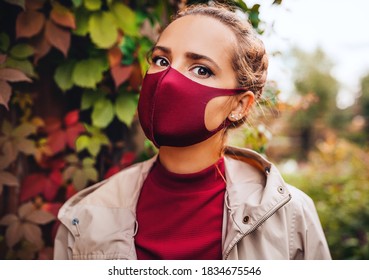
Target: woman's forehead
(199,34)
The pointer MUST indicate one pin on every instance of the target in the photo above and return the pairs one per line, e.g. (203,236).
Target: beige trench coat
(264,218)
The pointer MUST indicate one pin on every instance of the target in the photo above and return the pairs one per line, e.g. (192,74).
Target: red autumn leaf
(114,56)
(41,46)
(13,75)
(127,159)
(3,58)
(57,141)
(72,133)
(71,118)
(51,207)
(52,124)
(32,185)
(62,16)
(60,137)
(58,37)
(57,164)
(34,4)
(70,191)
(56,177)
(29,23)
(5,93)
(120,74)
(135,79)
(52,163)
(39,183)
(50,191)
(111,171)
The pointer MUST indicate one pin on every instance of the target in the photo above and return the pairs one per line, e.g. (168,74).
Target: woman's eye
(160,61)
(202,71)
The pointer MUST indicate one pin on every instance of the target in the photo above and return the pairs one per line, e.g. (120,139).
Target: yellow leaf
(40,217)
(14,234)
(9,219)
(25,209)
(33,234)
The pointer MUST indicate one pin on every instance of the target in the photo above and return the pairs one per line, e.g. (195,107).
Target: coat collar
(255,190)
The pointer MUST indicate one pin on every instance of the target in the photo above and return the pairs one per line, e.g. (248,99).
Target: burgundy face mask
(171,108)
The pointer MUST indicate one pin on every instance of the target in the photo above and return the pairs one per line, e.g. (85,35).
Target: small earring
(235,117)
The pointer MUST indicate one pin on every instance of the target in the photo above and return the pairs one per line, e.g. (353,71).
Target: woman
(197,199)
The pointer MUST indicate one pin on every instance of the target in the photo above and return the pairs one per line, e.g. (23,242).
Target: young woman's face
(200,48)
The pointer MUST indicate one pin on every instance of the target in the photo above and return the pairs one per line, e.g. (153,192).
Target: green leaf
(91,173)
(6,128)
(82,17)
(63,75)
(128,48)
(69,172)
(93,5)
(23,65)
(77,3)
(71,158)
(126,19)
(242,5)
(125,108)
(4,42)
(277,2)
(26,146)
(87,73)
(24,130)
(89,97)
(103,113)
(102,138)
(82,142)
(145,46)
(21,51)
(94,146)
(103,29)
(92,129)
(88,162)
(79,179)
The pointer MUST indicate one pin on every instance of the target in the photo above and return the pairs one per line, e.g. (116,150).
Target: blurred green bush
(336,177)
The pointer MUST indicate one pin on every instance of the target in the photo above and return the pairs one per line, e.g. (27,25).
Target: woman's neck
(193,158)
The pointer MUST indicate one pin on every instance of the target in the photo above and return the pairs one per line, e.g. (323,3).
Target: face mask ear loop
(165,72)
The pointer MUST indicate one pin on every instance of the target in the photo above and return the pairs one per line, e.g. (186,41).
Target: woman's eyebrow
(161,48)
(196,56)
(190,55)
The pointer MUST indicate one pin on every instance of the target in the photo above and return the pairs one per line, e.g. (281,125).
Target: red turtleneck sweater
(180,215)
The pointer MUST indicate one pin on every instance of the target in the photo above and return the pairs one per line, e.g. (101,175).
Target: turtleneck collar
(193,182)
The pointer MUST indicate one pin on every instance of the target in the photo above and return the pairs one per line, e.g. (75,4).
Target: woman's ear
(244,102)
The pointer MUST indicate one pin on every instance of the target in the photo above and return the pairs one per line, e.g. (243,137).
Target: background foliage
(330,148)
(341,194)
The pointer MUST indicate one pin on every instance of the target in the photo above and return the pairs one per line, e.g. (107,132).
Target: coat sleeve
(61,251)
(309,234)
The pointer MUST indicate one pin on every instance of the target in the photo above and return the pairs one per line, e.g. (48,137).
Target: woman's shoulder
(301,202)
(246,163)
(113,191)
